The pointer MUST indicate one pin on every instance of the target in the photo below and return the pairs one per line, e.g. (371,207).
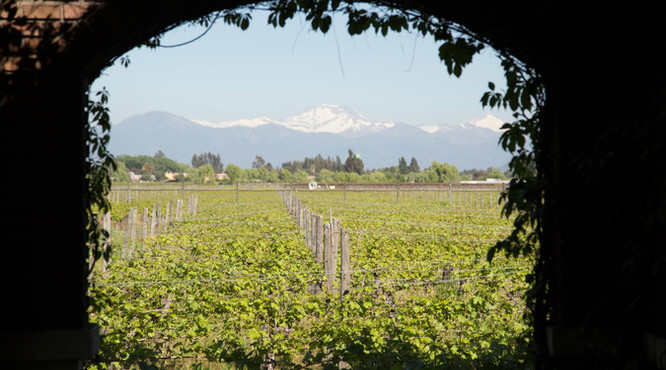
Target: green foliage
(442,172)
(353,163)
(402,165)
(315,164)
(258,162)
(524,199)
(120,174)
(156,166)
(301,176)
(208,158)
(205,173)
(100,163)
(477,174)
(233,285)
(285,176)
(413,166)
(234,172)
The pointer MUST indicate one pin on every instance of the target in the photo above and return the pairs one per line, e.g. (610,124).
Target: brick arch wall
(604,75)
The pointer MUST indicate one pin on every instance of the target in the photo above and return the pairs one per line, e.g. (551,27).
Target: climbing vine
(100,163)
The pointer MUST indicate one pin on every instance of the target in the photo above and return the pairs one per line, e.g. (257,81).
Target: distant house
(134,177)
(222,177)
(139,177)
(170,176)
(486,181)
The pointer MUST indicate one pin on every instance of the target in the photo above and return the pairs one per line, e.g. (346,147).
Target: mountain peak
(333,119)
(489,122)
(320,118)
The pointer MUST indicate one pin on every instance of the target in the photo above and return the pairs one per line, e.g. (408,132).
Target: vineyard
(239,283)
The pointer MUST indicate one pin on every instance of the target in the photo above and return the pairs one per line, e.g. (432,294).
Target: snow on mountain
(318,119)
(333,119)
(489,122)
(431,129)
(243,122)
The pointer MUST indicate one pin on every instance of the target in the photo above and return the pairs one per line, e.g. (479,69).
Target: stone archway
(604,121)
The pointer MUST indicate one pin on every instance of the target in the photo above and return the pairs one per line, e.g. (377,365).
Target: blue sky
(230,74)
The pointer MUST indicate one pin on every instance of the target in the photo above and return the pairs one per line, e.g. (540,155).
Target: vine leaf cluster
(100,164)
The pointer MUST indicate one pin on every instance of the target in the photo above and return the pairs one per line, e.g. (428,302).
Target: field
(236,286)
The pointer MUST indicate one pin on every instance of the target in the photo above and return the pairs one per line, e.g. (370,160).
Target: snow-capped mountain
(325,129)
(329,118)
(489,121)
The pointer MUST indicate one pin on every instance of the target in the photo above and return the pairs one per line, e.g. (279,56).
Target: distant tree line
(313,165)
(199,160)
(150,168)
(205,166)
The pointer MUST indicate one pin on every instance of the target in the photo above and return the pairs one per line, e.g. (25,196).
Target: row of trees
(150,168)
(204,167)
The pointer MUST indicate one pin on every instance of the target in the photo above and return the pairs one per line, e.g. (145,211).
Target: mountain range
(329,130)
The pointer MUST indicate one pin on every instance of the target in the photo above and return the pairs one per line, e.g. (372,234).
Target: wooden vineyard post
(134,213)
(335,234)
(236,192)
(167,214)
(130,234)
(153,222)
(173,203)
(328,249)
(158,218)
(319,238)
(128,231)
(306,227)
(180,209)
(345,268)
(144,221)
(335,242)
(300,215)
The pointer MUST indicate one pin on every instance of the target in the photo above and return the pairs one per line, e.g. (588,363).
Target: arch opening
(437,193)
